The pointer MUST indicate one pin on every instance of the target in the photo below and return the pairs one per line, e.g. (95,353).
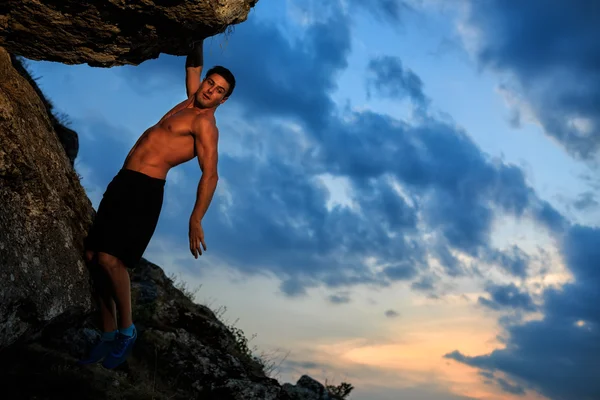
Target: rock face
(44,215)
(112,32)
(183,352)
(68,138)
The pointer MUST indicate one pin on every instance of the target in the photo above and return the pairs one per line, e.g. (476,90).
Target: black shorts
(127,216)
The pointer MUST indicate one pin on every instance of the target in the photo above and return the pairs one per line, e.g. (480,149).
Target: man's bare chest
(180,123)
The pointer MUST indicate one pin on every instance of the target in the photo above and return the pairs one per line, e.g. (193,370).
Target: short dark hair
(226,74)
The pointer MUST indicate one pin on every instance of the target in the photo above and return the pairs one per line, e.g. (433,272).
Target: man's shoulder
(205,117)
(204,123)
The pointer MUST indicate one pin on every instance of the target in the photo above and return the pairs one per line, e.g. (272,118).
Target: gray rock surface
(112,32)
(183,352)
(44,215)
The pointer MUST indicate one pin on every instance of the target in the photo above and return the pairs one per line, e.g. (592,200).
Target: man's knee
(109,262)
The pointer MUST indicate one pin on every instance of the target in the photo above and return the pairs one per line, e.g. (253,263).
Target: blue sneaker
(100,350)
(120,350)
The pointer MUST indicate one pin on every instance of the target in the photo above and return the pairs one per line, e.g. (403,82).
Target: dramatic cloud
(390,79)
(504,297)
(586,201)
(510,388)
(551,47)
(425,283)
(390,11)
(341,298)
(301,365)
(514,261)
(557,355)
(400,272)
(277,217)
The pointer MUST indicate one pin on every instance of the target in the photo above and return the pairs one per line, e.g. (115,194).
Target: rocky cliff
(47,317)
(44,214)
(112,32)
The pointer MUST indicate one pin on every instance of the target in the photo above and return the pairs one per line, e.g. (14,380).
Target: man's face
(212,91)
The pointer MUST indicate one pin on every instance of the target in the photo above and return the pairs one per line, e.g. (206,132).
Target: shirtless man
(129,211)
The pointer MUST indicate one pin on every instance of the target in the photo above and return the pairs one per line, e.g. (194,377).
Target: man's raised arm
(193,67)
(206,143)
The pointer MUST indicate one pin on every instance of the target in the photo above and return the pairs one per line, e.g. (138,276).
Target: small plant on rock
(341,391)
(181,285)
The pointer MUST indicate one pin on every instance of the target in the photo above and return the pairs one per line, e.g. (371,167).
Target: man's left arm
(206,142)
(193,67)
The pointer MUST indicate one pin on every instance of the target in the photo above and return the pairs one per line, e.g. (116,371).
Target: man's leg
(118,280)
(121,286)
(108,311)
(104,293)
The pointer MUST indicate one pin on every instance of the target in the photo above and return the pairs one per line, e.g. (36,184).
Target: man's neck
(199,106)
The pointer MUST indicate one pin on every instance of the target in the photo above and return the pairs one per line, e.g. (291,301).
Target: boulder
(307,388)
(105,33)
(44,215)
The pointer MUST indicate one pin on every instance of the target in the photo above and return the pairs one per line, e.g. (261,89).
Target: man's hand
(196,237)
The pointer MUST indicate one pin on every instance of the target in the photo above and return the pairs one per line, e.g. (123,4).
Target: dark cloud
(581,249)
(400,272)
(286,228)
(510,388)
(591,178)
(424,283)
(390,79)
(293,287)
(303,365)
(299,367)
(458,188)
(551,47)
(452,266)
(391,314)
(557,355)
(503,297)
(549,217)
(586,201)
(341,298)
(277,216)
(487,374)
(389,11)
(514,260)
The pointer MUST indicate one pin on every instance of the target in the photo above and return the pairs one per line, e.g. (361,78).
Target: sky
(408,199)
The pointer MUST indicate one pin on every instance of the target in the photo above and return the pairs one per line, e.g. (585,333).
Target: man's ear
(224,100)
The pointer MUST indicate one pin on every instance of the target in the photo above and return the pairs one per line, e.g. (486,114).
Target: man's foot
(120,350)
(101,349)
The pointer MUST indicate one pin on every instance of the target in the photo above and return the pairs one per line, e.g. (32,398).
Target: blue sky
(409,190)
